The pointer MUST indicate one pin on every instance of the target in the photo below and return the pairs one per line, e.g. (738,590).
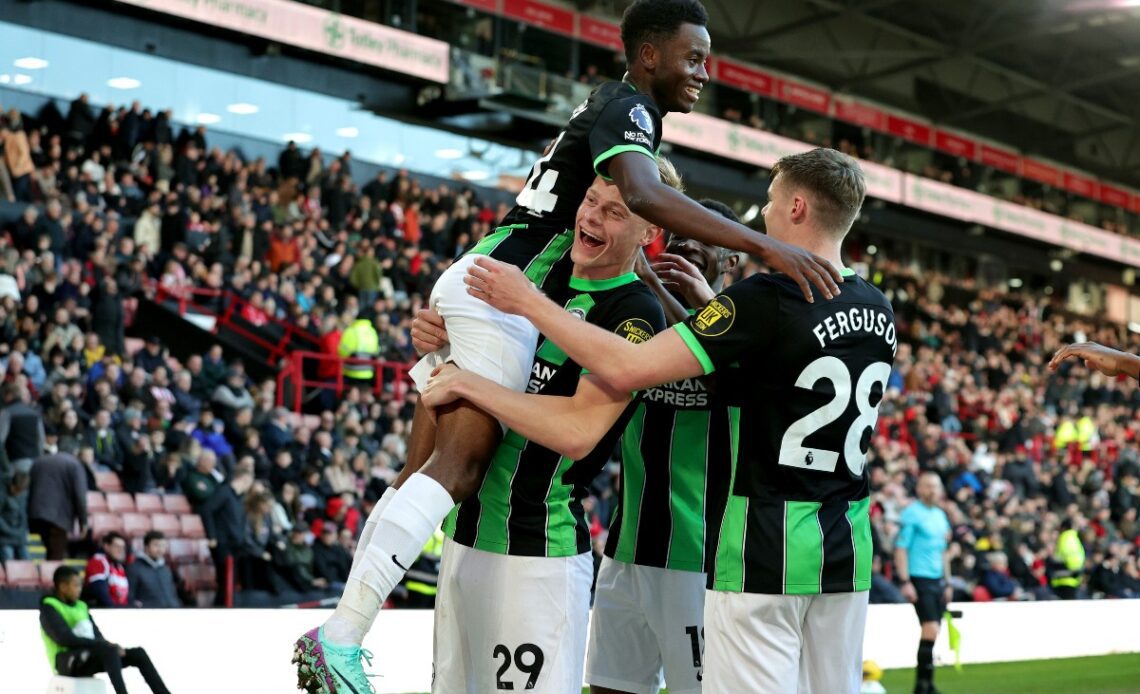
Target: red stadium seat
(148,503)
(23,574)
(175,503)
(167,524)
(103,523)
(192,526)
(108,482)
(120,502)
(47,570)
(982,594)
(199,576)
(136,524)
(96,502)
(183,551)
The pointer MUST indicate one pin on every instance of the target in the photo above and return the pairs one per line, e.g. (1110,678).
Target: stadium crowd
(119,203)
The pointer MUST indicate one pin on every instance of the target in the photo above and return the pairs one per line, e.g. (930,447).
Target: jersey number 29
(792,450)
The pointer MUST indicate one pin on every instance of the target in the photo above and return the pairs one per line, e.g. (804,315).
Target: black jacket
(58,492)
(152,584)
(51,621)
(225,519)
(331,562)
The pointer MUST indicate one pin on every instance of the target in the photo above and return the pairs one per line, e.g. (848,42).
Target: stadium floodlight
(1015,282)
(21,79)
(448,153)
(399,159)
(208,118)
(1056,265)
(299,138)
(123,83)
(30,63)
(475,175)
(347,131)
(872,249)
(5,78)
(242,109)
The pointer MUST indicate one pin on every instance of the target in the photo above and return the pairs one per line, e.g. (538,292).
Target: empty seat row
(122,502)
(138,524)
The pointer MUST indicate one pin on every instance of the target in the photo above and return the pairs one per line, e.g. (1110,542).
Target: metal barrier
(292,377)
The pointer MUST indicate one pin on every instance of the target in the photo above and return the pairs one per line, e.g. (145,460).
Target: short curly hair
(654,20)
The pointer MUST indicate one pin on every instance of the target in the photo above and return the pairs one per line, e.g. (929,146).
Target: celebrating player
(514,587)
(614,134)
(793,563)
(1108,361)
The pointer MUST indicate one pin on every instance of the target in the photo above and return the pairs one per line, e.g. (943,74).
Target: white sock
(371,523)
(409,520)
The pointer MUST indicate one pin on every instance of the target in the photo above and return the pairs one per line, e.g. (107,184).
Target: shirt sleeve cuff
(695,347)
(616,150)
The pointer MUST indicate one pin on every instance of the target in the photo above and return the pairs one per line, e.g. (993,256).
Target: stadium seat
(96,502)
(76,685)
(108,482)
(148,503)
(200,576)
(136,524)
(120,502)
(22,574)
(3,575)
(982,594)
(103,523)
(192,526)
(183,551)
(175,503)
(47,570)
(167,524)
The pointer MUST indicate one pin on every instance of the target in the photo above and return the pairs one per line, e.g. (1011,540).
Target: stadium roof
(1055,78)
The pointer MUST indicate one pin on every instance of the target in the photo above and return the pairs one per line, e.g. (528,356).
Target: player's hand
(428,332)
(678,273)
(948,595)
(441,388)
(503,286)
(803,267)
(909,592)
(1106,360)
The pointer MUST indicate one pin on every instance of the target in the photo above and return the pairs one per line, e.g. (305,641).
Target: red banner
(1031,168)
(1136,203)
(859,114)
(543,16)
(908,129)
(601,33)
(485,5)
(955,144)
(1081,185)
(747,78)
(1001,159)
(805,97)
(1114,196)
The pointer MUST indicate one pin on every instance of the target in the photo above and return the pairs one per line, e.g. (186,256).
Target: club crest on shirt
(641,118)
(716,318)
(635,330)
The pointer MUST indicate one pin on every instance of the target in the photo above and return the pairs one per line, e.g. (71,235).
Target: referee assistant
(922,565)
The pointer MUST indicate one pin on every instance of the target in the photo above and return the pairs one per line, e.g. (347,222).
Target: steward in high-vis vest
(75,646)
(359,341)
(1068,562)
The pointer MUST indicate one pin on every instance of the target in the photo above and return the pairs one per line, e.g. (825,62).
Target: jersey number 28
(792,450)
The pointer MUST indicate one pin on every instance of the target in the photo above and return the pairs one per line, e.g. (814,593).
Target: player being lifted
(514,587)
(614,134)
(676,452)
(792,566)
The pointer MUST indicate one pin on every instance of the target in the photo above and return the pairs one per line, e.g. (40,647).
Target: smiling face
(607,235)
(678,68)
(706,258)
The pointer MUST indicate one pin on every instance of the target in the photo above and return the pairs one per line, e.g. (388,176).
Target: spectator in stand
(76,647)
(21,430)
(331,561)
(103,439)
(276,433)
(202,482)
(228,528)
(152,356)
(996,578)
(214,369)
(14,516)
(57,501)
(137,472)
(17,155)
(106,582)
(361,342)
(151,580)
(231,396)
(298,561)
(108,317)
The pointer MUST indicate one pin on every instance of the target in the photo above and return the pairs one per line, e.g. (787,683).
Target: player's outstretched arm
(622,365)
(571,426)
(675,311)
(1108,361)
(639,181)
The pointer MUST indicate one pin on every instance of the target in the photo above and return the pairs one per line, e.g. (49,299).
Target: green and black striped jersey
(530,502)
(676,464)
(615,119)
(809,384)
